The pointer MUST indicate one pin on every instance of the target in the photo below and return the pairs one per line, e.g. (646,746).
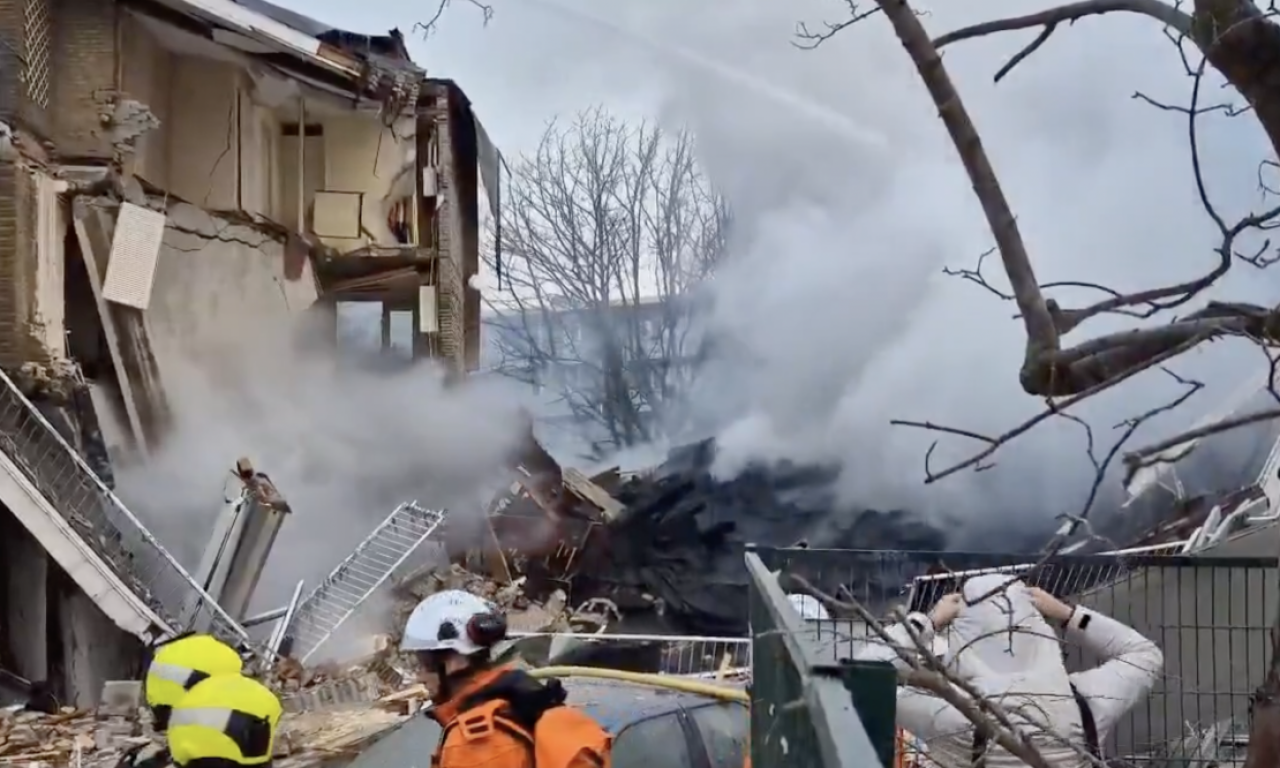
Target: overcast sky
(851,200)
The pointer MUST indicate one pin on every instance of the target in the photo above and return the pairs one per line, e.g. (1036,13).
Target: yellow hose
(684,684)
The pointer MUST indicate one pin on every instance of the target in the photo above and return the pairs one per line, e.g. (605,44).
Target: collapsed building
(179,173)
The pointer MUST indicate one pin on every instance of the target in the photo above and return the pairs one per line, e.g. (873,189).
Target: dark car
(652,727)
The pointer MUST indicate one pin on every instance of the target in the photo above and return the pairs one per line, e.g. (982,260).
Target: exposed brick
(15,103)
(451,301)
(18,344)
(10,278)
(84,44)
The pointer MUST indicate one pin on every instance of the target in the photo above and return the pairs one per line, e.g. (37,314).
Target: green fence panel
(802,709)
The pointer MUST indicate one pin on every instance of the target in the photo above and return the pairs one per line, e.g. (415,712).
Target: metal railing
(802,705)
(80,497)
(688,655)
(357,577)
(1211,616)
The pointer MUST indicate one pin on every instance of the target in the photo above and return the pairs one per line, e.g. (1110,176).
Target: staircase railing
(357,577)
(76,492)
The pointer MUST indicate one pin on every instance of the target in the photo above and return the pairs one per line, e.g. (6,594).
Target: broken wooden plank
(92,242)
(582,487)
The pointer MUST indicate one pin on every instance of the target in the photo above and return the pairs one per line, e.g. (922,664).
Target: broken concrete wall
(93,650)
(51,630)
(361,154)
(49,317)
(26,327)
(450,293)
(84,46)
(24,621)
(201,169)
(218,285)
(146,75)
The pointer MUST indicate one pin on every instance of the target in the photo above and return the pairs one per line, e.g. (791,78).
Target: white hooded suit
(1004,648)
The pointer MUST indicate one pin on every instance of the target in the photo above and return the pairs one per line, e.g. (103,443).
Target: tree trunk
(1243,44)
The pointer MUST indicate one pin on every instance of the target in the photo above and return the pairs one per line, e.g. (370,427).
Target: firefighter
(176,665)
(226,721)
(493,714)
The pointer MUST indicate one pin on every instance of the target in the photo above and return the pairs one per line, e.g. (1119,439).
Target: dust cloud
(833,301)
(850,200)
(343,441)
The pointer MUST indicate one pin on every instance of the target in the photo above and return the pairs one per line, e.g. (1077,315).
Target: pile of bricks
(72,737)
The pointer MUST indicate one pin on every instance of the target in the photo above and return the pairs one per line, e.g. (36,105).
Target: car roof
(614,704)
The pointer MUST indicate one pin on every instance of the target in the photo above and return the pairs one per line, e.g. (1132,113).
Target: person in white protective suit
(1001,642)
(809,608)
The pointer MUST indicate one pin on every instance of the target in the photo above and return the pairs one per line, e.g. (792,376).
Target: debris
(313,738)
(99,739)
(523,614)
(264,491)
(582,487)
(73,736)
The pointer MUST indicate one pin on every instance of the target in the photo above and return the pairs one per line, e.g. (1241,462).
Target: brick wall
(84,45)
(450,304)
(18,343)
(25,26)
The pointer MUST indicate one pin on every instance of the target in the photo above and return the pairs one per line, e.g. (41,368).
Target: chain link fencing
(1211,616)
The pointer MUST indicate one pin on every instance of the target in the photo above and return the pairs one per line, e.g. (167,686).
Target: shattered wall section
(49,629)
(201,169)
(362,155)
(84,44)
(146,74)
(219,283)
(30,324)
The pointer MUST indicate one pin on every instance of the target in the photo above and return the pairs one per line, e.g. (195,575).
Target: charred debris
(663,548)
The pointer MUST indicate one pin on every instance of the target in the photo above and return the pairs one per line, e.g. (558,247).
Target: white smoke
(850,200)
(344,443)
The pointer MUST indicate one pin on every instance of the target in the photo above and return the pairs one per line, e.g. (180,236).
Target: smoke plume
(850,200)
(344,442)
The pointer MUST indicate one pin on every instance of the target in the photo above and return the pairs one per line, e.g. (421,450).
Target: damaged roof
(258,27)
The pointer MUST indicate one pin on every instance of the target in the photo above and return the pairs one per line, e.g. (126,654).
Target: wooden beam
(89,247)
(132,337)
(582,487)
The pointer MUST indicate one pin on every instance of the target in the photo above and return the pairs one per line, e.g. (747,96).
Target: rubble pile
(69,736)
(664,549)
(65,738)
(122,725)
(524,612)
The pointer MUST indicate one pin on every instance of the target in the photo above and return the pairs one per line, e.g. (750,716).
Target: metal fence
(807,710)
(687,655)
(76,492)
(1211,616)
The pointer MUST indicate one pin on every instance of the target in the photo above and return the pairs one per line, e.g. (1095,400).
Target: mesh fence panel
(673,655)
(1210,616)
(806,710)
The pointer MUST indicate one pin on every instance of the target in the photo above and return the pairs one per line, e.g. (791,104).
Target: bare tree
(1241,41)
(607,229)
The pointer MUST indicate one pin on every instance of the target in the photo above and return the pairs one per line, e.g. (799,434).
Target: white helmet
(808,607)
(445,621)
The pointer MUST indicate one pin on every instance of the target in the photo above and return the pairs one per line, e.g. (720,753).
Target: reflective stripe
(171,672)
(217,718)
